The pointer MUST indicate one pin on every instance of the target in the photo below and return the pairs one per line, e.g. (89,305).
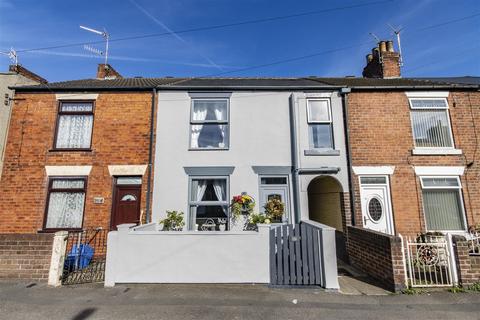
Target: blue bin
(79,257)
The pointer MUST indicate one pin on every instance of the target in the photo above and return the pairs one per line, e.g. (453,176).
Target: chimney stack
(107,72)
(383,62)
(16,68)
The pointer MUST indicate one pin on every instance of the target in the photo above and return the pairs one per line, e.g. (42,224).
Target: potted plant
(242,204)
(173,222)
(275,209)
(431,237)
(241,207)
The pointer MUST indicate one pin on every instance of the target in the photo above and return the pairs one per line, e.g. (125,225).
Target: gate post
(452,260)
(58,258)
(329,258)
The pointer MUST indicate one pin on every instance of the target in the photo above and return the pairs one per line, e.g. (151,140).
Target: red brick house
(84,145)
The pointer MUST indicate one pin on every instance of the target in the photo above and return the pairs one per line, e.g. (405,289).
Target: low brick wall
(25,256)
(468,266)
(378,255)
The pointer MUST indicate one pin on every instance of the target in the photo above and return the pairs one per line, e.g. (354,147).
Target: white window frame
(199,122)
(192,203)
(459,190)
(432,150)
(329,122)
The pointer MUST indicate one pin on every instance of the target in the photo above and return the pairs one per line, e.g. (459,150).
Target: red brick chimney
(383,62)
(26,73)
(106,72)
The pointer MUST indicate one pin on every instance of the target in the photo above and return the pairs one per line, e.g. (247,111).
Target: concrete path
(30,301)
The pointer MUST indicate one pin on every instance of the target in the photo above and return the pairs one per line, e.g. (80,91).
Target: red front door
(126,205)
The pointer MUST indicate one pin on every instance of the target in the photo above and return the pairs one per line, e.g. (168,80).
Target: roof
(458,80)
(97,84)
(248,84)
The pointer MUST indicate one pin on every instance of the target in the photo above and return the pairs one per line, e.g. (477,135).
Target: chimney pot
(390,46)
(383,46)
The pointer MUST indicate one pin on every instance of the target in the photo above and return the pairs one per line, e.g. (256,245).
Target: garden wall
(25,256)
(378,255)
(144,255)
(468,264)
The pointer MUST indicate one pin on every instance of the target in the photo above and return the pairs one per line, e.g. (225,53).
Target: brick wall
(25,256)
(121,132)
(381,135)
(378,255)
(468,265)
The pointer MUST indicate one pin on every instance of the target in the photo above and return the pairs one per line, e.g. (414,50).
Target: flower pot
(222,227)
(239,223)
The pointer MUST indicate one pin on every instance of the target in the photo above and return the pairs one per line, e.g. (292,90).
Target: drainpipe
(294,155)
(344,92)
(150,156)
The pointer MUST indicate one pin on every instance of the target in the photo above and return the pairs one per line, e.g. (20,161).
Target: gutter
(294,156)
(150,158)
(344,92)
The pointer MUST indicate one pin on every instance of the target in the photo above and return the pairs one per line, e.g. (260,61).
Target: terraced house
(379,171)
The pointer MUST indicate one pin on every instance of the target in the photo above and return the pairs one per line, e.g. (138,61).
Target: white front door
(376,206)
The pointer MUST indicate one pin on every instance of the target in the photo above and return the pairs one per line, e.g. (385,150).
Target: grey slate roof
(458,80)
(248,83)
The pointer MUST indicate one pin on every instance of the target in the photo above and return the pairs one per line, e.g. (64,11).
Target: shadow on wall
(325,206)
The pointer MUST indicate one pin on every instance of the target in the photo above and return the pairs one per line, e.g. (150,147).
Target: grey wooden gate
(298,255)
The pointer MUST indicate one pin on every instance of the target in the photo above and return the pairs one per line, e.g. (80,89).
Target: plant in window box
(274,208)
(173,222)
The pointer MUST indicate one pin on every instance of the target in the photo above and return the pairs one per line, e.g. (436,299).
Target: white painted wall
(259,136)
(187,257)
(309,162)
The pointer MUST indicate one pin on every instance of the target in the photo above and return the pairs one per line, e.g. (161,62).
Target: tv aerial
(12,55)
(96,51)
(397,31)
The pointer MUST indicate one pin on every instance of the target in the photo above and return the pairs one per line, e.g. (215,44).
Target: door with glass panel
(274,187)
(126,201)
(376,205)
(208,204)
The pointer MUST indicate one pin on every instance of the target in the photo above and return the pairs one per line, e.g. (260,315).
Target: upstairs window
(443,204)
(209,128)
(74,125)
(431,123)
(65,203)
(319,124)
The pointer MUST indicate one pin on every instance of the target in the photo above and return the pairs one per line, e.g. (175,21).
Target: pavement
(93,301)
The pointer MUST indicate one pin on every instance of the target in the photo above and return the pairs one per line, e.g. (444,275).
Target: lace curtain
(74,131)
(209,134)
(65,210)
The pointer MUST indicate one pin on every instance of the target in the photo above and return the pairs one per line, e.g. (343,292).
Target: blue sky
(448,50)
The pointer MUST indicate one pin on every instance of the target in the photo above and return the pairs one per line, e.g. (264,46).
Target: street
(37,301)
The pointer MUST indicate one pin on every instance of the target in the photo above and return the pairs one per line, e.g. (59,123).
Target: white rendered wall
(259,136)
(187,257)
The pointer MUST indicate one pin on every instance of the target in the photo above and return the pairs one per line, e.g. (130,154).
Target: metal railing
(474,243)
(85,256)
(430,261)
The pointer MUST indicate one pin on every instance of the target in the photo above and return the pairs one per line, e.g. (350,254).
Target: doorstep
(354,282)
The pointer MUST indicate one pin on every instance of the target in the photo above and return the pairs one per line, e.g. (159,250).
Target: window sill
(208,149)
(58,229)
(436,151)
(70,150)
(320,152)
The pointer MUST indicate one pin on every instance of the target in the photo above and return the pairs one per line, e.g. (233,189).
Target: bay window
(443,203)
(74,125)
(319,124)
(208,202)
(65,203)
(209,128)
